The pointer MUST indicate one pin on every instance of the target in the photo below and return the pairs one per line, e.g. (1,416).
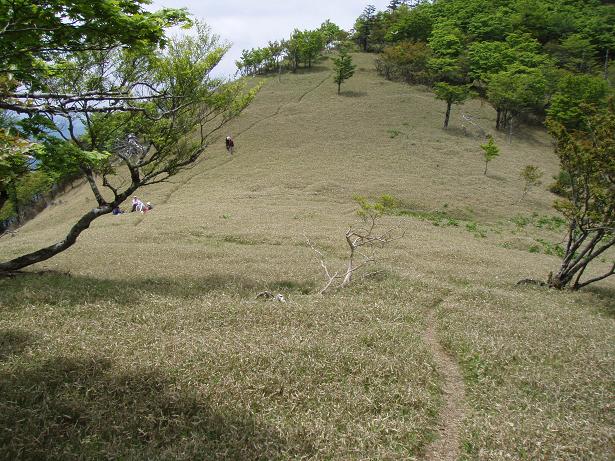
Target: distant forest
(527,58)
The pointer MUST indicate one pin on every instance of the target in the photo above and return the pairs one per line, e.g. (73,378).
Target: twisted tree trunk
(50,251)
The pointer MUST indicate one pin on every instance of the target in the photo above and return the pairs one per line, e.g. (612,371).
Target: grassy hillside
(154,345)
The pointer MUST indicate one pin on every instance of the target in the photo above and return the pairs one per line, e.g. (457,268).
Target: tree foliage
(516,90)
(37,41)
(302,47)
(364,26)
(34,34)
(490,151)
(451,94)
(406,61)
(475,41)
(343,68)
(156,134)
(574,94)
(531,175)
(588,158)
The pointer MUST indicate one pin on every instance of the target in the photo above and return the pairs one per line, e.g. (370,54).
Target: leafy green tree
(36,33)
(451,94)
(487,58)
(544,20)
(410,24)
(15,155)
(379,30)
(311,46)
(588,158)
(574,93)
(446,43)
(276,51)
(490,151)
(599,27)
(35,39)
(343,68)
(490,25)
(294,49)
(363,26)
(394,4)
(578,53)
(406,61)
(148,141)
(515,91)
(332,33)
(525,50)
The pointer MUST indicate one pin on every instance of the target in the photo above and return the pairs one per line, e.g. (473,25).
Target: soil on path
(447,446)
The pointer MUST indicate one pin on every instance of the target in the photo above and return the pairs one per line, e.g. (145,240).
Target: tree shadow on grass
(315,69)
(456,131)
(67,408)
(604,299)
(13,342)
(353,94)
(64,290)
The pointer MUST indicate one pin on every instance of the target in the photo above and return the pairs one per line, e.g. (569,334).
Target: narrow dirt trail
(314,88)
(281,106)
(447,446)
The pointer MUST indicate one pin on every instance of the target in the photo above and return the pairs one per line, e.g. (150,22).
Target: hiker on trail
(230,145)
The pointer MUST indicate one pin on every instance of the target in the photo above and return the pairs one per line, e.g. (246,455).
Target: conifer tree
(343,68)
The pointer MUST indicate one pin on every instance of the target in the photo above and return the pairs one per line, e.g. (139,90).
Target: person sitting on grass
(117,210)
(137,205)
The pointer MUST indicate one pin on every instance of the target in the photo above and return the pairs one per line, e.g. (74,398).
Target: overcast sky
(252,23)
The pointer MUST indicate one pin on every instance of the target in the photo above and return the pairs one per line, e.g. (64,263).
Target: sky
(252,23)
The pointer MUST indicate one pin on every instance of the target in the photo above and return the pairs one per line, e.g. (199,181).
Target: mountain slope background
(154,345)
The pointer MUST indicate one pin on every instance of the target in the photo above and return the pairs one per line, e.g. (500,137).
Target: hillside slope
(164,302)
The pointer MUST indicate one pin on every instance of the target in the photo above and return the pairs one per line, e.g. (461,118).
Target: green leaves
(490,151)
(452,94)
(38,32)
(446,43)
(588,157)
(576,98)
(517,89)
(343,68)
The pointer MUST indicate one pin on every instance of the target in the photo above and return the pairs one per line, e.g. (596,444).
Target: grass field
(145,340)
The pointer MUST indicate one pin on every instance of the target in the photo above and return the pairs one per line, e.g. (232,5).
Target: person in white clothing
(137,205)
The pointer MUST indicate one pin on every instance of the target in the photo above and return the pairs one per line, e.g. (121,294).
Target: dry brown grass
(155,347)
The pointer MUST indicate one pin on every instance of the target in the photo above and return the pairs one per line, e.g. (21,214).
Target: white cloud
(250,24)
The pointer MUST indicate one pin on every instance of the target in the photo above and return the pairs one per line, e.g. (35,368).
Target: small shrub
(521,221)
(531,175)
(476,230)
(490,151)
(552,249)
(552,223)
